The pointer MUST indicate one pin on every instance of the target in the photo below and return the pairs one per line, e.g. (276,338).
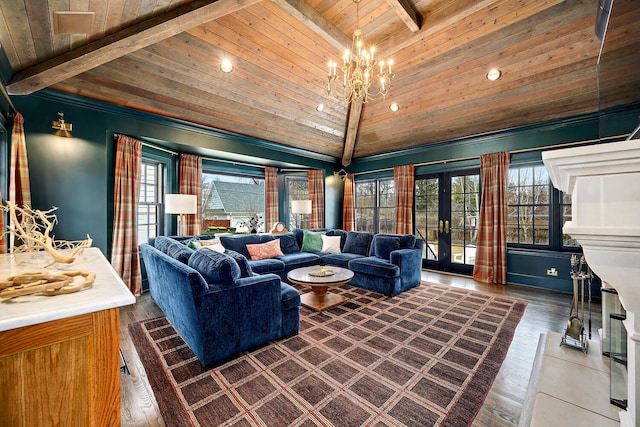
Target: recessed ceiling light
(494,74)
(226,66)
(394,107)
(320,107)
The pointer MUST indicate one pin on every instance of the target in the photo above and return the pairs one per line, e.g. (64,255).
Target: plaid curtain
(271,197)
(403,177)
(124,252)
(19,187)
(491,247)
(316,194)
(348,204)
(191,183)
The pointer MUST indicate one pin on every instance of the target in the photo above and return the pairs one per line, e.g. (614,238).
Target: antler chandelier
(359,70)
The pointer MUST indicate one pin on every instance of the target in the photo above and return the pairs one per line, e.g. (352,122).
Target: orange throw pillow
(265,250)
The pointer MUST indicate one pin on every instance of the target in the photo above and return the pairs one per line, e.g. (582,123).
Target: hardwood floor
(546,311)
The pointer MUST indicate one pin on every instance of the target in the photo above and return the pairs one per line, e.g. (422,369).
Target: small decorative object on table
(322,272)
(252,224)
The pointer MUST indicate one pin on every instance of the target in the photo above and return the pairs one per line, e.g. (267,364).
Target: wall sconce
(62,128)
(342,174)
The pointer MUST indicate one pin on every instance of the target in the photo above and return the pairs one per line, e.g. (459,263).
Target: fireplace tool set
(575,335)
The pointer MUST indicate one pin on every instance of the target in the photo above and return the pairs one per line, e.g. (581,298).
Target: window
(229,202)
(149,202)
(375,206)
(565,213)
(465,212)
(528,204)
(297,189)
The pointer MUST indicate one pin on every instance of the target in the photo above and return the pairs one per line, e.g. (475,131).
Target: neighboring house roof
(235,197)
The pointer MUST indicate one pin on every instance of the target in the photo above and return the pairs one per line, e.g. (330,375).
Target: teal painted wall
(76,174)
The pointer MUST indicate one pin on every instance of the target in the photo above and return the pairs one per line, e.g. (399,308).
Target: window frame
(211,171)
(377,208)
(291,221)
(159,190)
(556,217)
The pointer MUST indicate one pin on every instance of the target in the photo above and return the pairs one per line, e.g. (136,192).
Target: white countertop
(108,290)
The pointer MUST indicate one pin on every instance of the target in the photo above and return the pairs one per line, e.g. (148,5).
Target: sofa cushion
(245,268)
(299,259)
(162,243)
(269,265)
(384,245)
(331,244)
(339,260)
(177,250)
(357,242)
(265,250)
(312,241)
(375,267)
(215,267)
(239,243)
(407,241)
(288,243)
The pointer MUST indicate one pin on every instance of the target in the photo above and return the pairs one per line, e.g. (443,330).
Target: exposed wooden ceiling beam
(313,19)
(433,23)
(118,44)
(406,12)
(355,110)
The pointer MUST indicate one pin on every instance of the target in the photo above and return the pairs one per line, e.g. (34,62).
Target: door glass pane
(465,203)
(427,215)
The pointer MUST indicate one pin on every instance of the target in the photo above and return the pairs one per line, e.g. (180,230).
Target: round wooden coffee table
(320,279)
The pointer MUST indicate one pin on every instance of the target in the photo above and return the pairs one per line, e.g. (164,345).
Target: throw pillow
(209,242)
(179,251)
(162,243)
(245,268)
(215,267)
(217,247)
(288,243)
(194,244)
(312,241)
(265,250)
(331,244)
(357,242)
(384,245)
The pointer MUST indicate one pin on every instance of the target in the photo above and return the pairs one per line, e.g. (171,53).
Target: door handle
(440,223)
(446,227)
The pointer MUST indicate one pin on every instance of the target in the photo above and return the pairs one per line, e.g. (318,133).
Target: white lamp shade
(180,203)
(301,206)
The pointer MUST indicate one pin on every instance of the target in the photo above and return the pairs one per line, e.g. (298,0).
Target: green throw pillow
(312,241)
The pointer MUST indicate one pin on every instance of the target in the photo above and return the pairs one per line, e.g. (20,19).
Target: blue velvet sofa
(386,263)
(291,259)
(216,302)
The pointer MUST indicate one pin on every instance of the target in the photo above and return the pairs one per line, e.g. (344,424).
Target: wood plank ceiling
(163,56)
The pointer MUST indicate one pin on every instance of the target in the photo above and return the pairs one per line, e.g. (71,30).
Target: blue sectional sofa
(216,302)
(385,263)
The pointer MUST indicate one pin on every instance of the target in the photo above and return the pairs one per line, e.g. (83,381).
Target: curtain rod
(5,95)
(524,150)
(174,153)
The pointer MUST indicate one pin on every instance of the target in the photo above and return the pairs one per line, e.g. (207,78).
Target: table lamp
(180,204)
(301,207)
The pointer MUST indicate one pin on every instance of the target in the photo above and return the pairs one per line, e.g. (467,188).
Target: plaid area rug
(425,357)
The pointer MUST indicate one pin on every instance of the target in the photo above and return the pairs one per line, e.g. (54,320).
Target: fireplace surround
(604,183)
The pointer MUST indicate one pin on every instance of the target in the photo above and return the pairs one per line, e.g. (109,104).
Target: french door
(447,207)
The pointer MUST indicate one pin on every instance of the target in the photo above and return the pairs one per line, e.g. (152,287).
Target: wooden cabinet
(65,371)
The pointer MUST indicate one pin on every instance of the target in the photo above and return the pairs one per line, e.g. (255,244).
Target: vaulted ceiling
(164,56)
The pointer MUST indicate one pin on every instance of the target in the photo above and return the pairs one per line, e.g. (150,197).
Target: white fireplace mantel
(604,183)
